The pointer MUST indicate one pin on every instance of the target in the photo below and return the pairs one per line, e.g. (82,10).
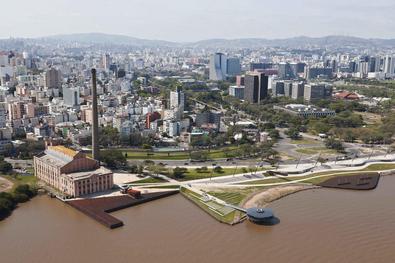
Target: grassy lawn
(22,179)
(164,187)
(184,155)
(149,180)
(370,168)
(305,141)
(193,174)
(315,150)
(235,197)
(194,197)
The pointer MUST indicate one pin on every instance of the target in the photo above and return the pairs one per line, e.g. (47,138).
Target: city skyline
(188,21)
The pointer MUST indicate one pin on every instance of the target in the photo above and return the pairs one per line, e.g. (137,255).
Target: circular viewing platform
(261,216)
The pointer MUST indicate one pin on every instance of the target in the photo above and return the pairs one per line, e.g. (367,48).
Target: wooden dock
(99,208)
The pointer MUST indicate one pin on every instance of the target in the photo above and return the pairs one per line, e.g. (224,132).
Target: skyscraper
(71,96)
(53,79)
(233,67)
(177,101)
(285,71)
(389,65)
(317,92)
(106,61)
(297,90)
(218,66)
(256,87)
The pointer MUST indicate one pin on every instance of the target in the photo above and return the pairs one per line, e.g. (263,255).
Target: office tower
(177,100)
(300,66)
(256,87)
(318,72)
(288,89)
(106,61)
(240,80)
(352,66)
(53,79)
(297,90)
(95,119)
(317,92)
(363,68)
(233,67)
(285,71)
(278,89)
(374,64)
(389,65)
(218,66)
(237,92)
(71,96)
(255,66)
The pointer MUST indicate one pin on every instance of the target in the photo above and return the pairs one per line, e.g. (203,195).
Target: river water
(316,226)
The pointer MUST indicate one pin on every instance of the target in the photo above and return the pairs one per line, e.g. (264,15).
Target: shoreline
(265,197)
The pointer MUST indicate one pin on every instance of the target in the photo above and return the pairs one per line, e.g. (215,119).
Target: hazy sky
(190,20)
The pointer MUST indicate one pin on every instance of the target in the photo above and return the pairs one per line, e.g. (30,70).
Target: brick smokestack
(95,119)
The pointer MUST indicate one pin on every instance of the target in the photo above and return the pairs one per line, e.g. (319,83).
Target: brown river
(316,226)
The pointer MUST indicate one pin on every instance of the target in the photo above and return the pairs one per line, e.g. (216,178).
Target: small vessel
(262,216)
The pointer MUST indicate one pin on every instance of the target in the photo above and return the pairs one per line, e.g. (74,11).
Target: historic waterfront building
(71,172)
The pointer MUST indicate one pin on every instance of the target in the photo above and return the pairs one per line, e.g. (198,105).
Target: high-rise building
(53,79)
(177,100)
(297,90)
(288,89)
(240,80)
(285,71)
(389,64)
(218,66)
(255,66)
(317,92)
(233,67)
(278,89)
(106,61)
(237,92)
(71,96)
(319,72)
(256,87)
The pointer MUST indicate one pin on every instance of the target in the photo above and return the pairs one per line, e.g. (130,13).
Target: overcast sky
(190,20)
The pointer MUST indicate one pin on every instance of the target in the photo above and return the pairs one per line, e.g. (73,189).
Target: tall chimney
(95,119)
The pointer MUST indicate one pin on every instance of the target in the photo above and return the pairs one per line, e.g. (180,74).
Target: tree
(334,144)
(109,136)
(321,160)
(113,158)
(218,170)
(293,133)
(26,190)
(179,172)
(5,167)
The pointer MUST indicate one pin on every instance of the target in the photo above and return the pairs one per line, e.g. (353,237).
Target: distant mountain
(108,39)
(295,42)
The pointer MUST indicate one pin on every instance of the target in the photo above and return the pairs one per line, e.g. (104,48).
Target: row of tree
(9,201)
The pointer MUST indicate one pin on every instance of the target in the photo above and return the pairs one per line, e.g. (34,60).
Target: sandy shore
(263,198)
